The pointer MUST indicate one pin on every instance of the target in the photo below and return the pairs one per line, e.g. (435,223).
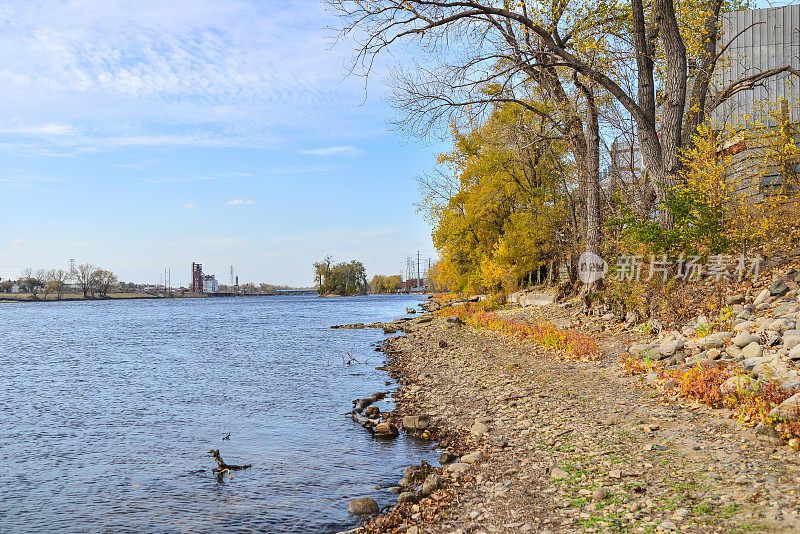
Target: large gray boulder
(743,339)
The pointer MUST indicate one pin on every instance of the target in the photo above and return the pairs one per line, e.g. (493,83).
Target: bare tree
(85,276)
(509,45)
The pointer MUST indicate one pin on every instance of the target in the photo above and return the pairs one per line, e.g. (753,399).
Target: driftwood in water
(374,425)
(360,404)
(222,468)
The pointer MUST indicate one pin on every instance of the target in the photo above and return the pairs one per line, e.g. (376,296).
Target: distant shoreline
(25,298)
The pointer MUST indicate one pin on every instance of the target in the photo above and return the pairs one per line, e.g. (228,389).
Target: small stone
(599,494)
(764,295)
(668,525)
(363,506)
(557,473)
(386,429)
(615,473)
(478,430)
(446,457)
(413,530)
(457,467)
(373,412)
(472,457)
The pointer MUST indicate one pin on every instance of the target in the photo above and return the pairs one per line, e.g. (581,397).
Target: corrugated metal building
(770,39)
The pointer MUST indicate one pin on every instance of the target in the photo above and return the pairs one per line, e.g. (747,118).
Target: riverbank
(548,444)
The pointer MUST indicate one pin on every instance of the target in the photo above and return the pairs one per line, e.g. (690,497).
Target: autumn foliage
(569,344)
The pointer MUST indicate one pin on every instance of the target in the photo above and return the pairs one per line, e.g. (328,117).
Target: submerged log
(223,468)
(360,404)
(372,424)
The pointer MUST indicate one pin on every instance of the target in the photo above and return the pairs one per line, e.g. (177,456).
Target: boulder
(781,324)
(363,506)
(778,288)
(637,349)
(386,429)
(446,457)
(750,363)
(768,434)
(774,368)
(791,339)
(794,354)
(764,295)
(743,339)
(753,350)
(788,409)
(733,351)
(407,496)
(373,412)
(736,384)
(734,299)
(744,326)
(668,348)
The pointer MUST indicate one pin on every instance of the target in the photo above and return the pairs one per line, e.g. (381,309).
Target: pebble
(557,473)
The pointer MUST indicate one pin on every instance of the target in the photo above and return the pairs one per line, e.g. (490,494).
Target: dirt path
(579,447)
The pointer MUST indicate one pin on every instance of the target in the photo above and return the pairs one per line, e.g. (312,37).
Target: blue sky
(224,132)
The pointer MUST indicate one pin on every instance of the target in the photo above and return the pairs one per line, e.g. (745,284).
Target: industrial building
(203,283)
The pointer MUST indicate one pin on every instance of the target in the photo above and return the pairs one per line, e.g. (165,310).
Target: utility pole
(419,281)
(232,279)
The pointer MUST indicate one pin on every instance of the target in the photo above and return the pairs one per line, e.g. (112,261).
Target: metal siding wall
(762,47)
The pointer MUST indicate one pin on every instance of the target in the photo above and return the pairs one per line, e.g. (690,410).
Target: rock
(767,434)
(794,354)
(734,299)
(668,348)
(714,354)
(389,330)
(454,321)
(744,326)
(737,384)
(599,494)
(430,485)
(790,341)
(733,351)
(782,324)
(372,412)
(410,422)
(743,339)
(778,288)
(668,525)
(773,339)
(638,350)
(443,344)
(457,467)
(749,363)
(414,529)
(386,429)
(764,295)
(446,457)
(478,430)
(363,506)
(615,473)
(774,368)
(556,473)
(407,496)
(753,350)
(472,457)
(788,409)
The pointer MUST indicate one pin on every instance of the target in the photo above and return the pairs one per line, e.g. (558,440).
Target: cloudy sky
(218,131)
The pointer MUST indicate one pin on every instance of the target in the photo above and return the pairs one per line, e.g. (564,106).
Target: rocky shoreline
(535,443)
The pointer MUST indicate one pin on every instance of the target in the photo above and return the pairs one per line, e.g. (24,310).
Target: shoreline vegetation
(549,419)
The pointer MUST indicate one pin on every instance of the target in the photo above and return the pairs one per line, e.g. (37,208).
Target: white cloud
(240,202)
(190,206)
(344,150)
(88,73)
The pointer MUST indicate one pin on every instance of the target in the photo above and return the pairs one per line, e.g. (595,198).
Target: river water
(108,409)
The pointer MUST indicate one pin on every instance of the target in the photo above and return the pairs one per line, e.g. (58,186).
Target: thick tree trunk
(593,208)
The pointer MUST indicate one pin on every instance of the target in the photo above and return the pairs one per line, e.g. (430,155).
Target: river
(108,410)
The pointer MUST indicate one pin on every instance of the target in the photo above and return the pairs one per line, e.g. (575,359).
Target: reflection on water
(108,409)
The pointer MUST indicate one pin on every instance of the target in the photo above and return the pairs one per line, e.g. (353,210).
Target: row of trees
(383,284)
(90,280)
(345,278)
(531,91)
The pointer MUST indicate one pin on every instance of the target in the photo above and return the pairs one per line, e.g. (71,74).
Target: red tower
(197,278)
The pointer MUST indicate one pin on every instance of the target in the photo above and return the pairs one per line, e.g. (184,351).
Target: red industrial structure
(197,278)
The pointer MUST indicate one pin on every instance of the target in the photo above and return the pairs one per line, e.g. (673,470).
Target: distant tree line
(386,284)
(340,279)
(90,280)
